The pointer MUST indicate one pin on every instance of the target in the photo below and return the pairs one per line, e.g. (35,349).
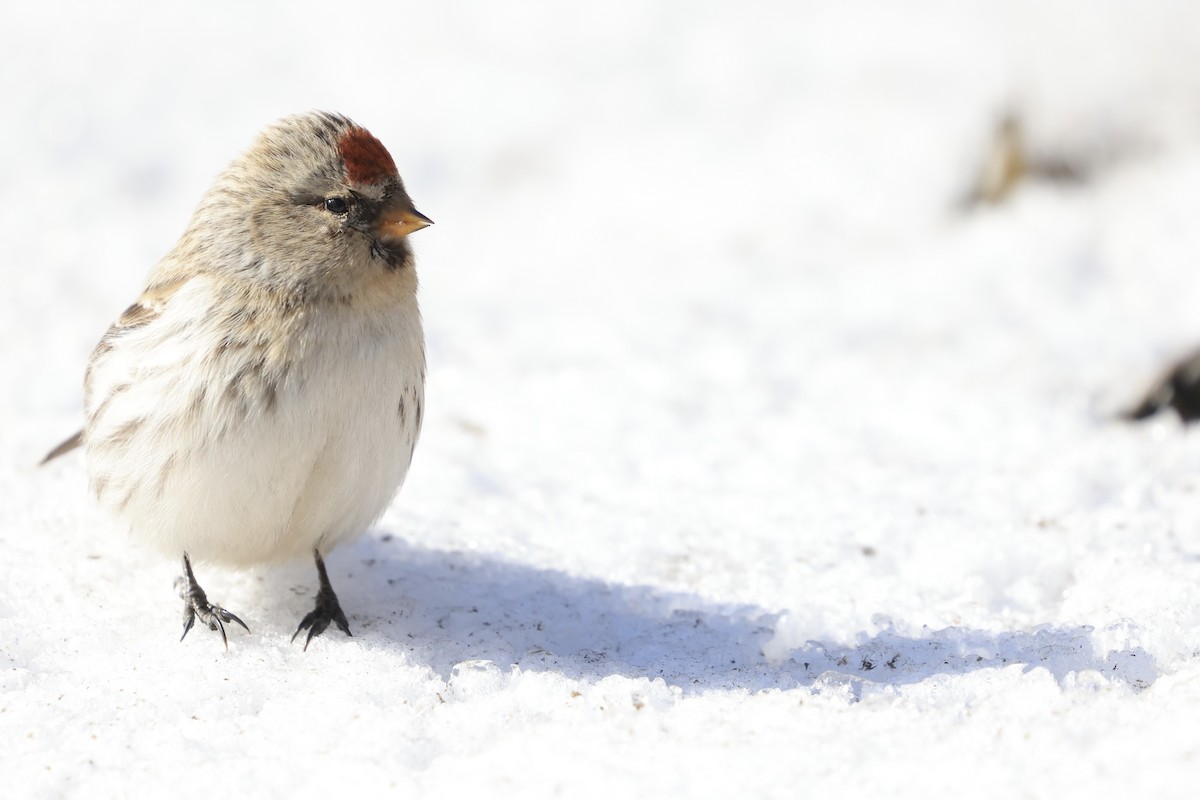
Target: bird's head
(316,200)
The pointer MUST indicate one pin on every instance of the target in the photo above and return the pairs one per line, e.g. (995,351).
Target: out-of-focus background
(775,350)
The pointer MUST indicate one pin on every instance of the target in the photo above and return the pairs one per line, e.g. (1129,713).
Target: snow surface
(754,465)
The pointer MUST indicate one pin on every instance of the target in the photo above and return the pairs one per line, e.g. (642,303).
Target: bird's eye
(336,205)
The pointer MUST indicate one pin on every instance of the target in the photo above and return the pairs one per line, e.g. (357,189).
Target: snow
(755,464)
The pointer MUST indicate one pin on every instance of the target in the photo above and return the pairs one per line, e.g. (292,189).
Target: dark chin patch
(394,255)
(367,160)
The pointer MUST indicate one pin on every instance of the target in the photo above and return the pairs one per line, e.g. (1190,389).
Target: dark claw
(195,604)
(189,619)
(327,610)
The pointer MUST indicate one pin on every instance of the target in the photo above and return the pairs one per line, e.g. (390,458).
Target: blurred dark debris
(469,427)
(1178,387)
(1009,161)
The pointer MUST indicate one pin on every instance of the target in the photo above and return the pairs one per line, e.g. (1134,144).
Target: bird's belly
(312,470)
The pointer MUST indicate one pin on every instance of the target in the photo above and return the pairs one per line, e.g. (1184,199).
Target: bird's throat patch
(367,160)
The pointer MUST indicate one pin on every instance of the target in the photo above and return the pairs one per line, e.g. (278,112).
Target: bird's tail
(66,446)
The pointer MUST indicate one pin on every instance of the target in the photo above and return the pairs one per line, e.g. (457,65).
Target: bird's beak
(396,223)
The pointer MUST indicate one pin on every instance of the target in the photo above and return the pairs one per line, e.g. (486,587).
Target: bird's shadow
(447,607)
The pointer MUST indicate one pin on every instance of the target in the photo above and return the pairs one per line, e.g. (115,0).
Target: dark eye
(336,205)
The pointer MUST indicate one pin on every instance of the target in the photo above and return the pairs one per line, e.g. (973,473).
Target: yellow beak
(396,223)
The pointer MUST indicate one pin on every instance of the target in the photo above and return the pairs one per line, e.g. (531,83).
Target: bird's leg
(195,604)
(327,610)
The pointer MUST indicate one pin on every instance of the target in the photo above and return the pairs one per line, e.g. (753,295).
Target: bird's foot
(327,610)
(195,604)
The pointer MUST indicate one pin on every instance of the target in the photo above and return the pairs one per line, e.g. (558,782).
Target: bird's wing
(147,307)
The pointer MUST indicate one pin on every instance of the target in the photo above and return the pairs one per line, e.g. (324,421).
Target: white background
(755,464)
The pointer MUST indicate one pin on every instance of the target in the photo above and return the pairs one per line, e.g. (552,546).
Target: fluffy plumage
(263,397)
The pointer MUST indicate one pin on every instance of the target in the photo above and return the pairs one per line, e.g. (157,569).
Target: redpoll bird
(263,397)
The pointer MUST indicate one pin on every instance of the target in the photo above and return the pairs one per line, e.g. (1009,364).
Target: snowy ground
(754,464)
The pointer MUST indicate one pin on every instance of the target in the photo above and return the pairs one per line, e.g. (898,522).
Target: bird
(262,398)
(1178,387)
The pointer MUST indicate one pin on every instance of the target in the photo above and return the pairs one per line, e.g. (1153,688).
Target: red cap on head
(367,160)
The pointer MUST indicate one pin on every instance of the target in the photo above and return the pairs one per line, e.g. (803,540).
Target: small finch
(263,397)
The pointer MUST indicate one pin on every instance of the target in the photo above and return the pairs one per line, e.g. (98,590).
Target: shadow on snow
(446,607)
